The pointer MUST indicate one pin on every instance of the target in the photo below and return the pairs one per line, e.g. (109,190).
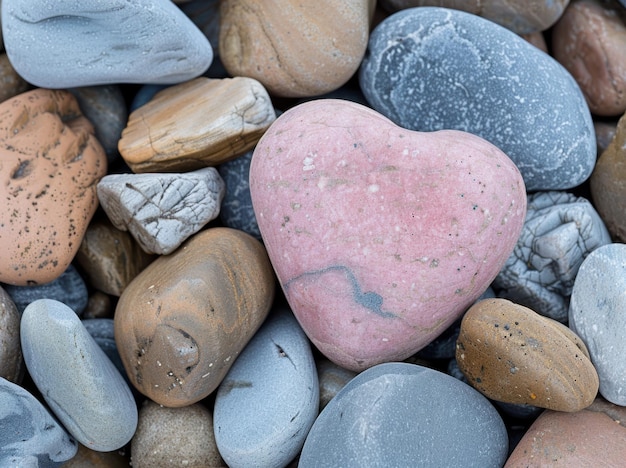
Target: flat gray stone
(29,435)
(400,414)
(64,44)
(432,68)
(76,378)
(269,399)
(597,314)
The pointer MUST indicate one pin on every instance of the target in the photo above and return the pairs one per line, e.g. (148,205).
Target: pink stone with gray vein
(380,236)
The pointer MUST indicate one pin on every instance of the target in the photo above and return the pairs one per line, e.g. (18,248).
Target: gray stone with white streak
(431,68)
(597,314)
(65,43)
(78,381)
(161,210)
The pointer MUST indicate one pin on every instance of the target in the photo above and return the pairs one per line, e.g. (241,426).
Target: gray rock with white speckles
(597,314)
(432,68)
(161,210)
(560,230)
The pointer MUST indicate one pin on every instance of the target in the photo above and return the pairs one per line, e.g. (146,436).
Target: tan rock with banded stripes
(511,354)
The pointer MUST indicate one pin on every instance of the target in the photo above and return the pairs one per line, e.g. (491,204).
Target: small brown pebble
(11,360)
(98,306)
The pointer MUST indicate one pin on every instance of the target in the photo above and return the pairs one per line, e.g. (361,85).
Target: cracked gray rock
(559,232)
(162,210)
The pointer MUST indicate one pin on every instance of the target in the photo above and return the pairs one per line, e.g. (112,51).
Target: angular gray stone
(597,314)
(29,435)
(269,399)
(76,378)
(432,68)
(64,44)
(400,414)
(161,210)
(560,230)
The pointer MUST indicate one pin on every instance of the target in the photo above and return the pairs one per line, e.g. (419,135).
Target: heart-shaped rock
(380,236)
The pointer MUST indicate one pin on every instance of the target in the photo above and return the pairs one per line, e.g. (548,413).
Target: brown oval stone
(199,123)
(595,436)
(11,360)
(50,163)
(182,322)
(296,49)
(511,354)
(589,40)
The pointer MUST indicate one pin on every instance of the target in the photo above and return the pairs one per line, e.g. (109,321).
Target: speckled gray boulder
(29,435)
(64,44)
(269,399)
(597,314)
(400,414)
(560,230)
(432,68)
(77,380)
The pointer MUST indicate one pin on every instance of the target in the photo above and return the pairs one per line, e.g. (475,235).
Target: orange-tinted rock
(589,40)
(50,163)
(595,436)
(511,354)
(296,49)
(608,184)
(199,123)
(182,322)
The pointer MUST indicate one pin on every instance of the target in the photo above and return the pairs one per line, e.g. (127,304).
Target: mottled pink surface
(380,236)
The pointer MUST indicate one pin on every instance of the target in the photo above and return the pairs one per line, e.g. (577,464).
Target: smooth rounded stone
(332,378)
(605,132)
(511,354)
(341,194)
(11,360)
(87,458)
(589,41)
(608,184)
(294,49)
(11,84)
(110,257)
(593,436)
(598,315)
(105,107)
(69,288)
(76,378)
(396,413)
(483,79)
(174,437)
(236,210)
(537,39)
(99,305)
(29,435)
(182,322)
(520,17)
(143,41)
(50,163)
(162,210)
(203,122)
(559,232)
(103,332)
(269,399)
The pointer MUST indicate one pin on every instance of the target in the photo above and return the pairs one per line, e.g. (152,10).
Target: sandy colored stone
(595,436)
(11,84)
(182,322)
(296,49)
(11,360)
(608,184)
(512,354)
(199,123)
(110,258)
(589,41)
(50,163)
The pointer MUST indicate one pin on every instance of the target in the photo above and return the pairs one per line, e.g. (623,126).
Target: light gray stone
(560,230)
(597,314)
(269,399)
(64,43)
(76,378)
(161,210)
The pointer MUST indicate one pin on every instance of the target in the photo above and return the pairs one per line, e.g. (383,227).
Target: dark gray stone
(29,435)
(432,68)
(400,414)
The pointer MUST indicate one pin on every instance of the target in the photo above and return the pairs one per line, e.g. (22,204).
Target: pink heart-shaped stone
(380,236)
